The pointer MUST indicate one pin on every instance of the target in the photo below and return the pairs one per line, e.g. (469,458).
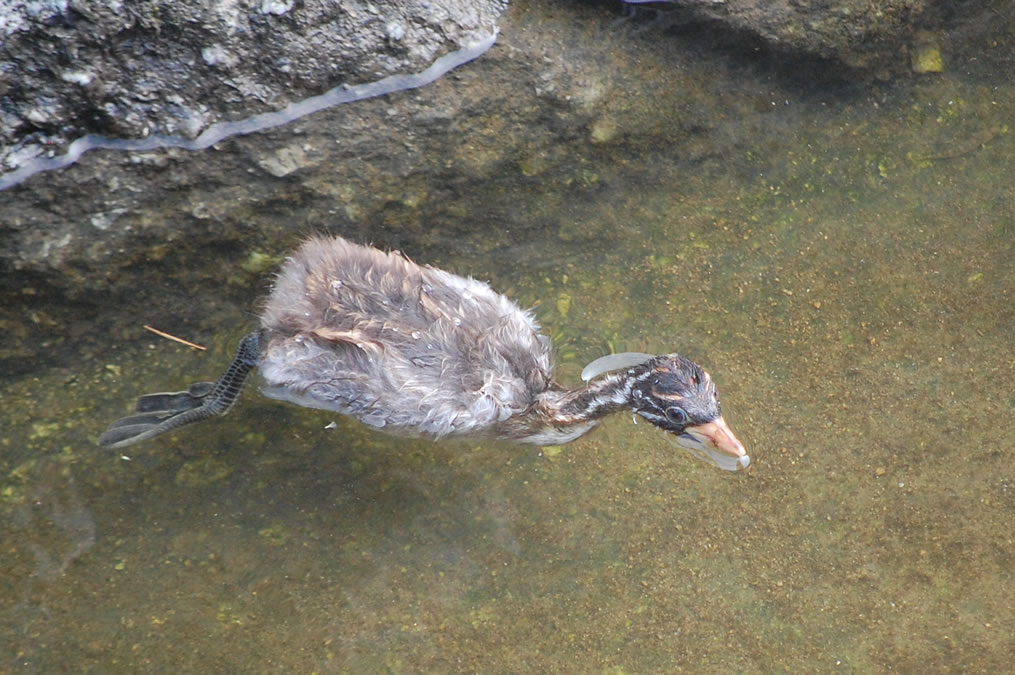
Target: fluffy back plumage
(398,345)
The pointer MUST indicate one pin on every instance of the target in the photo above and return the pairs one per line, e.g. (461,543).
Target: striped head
(676,395)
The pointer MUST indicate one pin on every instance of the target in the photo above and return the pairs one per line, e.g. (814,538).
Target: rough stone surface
(858,33)
(127,69)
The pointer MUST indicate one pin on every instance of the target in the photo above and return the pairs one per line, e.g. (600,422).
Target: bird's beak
(719,444)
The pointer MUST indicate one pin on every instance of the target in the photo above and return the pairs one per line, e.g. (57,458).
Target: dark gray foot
(161,413)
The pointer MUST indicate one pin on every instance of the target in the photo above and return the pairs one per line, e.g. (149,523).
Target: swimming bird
(415,350)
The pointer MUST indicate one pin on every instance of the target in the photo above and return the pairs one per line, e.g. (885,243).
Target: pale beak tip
(726,442)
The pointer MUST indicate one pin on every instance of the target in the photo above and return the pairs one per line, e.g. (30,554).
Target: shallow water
(840,259)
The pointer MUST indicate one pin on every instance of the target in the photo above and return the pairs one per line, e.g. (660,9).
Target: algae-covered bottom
(845,275)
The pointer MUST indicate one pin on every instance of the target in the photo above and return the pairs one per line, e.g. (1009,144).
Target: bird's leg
(164,412)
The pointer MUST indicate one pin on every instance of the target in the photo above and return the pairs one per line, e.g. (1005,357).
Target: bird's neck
(561,415)
(590,403)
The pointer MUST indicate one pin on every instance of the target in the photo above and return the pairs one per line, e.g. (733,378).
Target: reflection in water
(66,516)
(57,529)
(842,268)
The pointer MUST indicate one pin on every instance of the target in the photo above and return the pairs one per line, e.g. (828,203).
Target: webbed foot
(164,412)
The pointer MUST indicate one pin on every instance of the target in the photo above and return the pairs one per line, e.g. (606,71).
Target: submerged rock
(857,33)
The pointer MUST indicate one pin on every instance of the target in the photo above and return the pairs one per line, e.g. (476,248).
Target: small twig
(174,338)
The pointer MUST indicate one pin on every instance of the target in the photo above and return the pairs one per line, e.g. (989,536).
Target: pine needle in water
(174,338)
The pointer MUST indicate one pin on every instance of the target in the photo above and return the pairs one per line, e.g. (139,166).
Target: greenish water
(840,259)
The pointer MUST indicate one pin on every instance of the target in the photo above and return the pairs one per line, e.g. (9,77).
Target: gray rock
(131,69)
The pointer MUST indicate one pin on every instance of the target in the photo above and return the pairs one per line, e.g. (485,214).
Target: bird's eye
(676,415)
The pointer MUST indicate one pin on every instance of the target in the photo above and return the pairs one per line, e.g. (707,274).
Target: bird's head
(676,395)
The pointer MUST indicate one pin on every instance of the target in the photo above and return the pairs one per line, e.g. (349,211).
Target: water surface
(837,255)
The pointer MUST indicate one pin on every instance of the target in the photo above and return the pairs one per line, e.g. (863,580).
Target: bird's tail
(165,412)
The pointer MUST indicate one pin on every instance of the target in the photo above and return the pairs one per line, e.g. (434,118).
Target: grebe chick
(419,351)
